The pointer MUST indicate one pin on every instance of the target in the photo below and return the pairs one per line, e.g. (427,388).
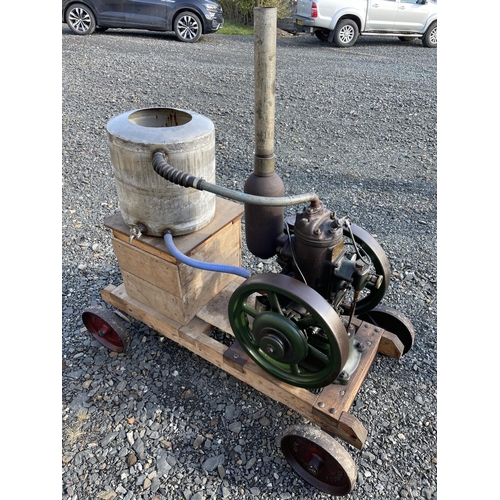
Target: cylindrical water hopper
(146,199)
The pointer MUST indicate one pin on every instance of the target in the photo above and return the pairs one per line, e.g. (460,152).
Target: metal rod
(265,22)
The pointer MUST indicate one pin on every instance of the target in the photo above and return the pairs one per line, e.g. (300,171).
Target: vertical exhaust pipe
(264,224)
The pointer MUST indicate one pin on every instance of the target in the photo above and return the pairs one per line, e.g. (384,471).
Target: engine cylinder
(317,241)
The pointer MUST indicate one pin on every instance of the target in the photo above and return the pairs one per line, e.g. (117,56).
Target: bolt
(312,469)
(332,410)
(321,404)
(360,346)
(317,231)
(269,349)
(236,356)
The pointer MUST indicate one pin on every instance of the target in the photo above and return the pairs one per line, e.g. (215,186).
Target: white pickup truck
(343,21)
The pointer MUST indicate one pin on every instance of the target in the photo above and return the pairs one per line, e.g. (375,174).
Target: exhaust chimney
(264,224)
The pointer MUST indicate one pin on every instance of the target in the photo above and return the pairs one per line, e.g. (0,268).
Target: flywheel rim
(318,314)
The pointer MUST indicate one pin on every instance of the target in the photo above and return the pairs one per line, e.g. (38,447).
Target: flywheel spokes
(289,330)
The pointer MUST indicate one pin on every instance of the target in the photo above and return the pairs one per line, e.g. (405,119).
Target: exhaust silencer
(264,224)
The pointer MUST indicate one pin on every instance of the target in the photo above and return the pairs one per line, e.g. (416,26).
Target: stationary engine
(339,260)
(298,325)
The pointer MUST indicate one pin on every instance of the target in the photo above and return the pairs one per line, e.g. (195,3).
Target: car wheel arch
(430,35)
(187,8)
(352,17)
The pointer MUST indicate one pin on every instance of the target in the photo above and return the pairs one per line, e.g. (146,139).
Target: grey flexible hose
(184,179)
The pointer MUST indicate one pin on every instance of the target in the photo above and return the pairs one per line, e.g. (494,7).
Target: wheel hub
(314,465)
(280,338)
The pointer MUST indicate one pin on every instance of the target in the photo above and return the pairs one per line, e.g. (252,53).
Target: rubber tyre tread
(336,37)
(177,29)
(92,26)
(427,40)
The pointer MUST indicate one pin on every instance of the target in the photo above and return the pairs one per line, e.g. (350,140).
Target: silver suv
(343,21)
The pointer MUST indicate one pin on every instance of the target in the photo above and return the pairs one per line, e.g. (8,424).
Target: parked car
(343,21)
(189,19)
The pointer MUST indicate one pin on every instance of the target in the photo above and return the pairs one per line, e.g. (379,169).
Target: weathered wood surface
(329,408)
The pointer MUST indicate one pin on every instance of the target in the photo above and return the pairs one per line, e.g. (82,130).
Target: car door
(111,12)
(412,15)
(381,15)
(148,14)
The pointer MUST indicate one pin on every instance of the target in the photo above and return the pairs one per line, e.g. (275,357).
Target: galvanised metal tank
(144,197)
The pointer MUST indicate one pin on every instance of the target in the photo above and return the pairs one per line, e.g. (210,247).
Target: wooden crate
(156,279)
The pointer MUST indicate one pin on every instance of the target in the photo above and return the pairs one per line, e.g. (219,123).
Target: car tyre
(322,35)
(80,19)
(346,33)
(187,27)
(431,36)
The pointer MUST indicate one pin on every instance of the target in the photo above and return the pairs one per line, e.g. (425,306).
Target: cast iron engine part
(289,330)
(339,260)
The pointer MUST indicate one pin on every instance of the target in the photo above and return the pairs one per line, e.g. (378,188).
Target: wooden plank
(215,312)
(226,212)
(154,297)
(336,399)
(158,272)
(194,336)
(390,345)
(223,248)
(203,286)
(340,397)
(173,288)
(117,297)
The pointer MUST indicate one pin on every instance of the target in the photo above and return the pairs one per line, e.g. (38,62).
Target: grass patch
(232,28)
(74,431)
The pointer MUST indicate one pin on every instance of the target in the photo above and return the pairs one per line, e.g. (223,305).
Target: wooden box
(155,278)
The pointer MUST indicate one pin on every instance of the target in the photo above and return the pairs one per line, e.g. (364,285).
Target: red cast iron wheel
(107,328)
(319,459)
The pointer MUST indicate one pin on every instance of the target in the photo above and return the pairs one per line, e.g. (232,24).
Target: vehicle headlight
(212,7)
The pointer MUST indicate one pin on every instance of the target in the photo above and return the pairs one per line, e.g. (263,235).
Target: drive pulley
(289,330)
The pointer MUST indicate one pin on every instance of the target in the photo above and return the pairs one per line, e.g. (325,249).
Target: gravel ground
(358,127)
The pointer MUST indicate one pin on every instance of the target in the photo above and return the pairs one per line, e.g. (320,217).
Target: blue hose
(198,264)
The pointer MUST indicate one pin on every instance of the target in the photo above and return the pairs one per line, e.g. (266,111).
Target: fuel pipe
(162,168)
(184,179)
(198,264)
